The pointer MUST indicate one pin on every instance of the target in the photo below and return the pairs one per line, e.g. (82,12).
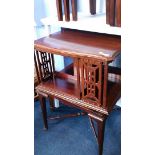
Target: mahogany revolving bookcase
(89,83)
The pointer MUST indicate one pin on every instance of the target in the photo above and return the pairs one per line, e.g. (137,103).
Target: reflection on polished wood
(75,44)
(89,83)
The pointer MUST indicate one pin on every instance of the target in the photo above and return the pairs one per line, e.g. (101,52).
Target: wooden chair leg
(66,10)
(101,128)
(74,9)
(92,4)
(59,10)
(44,112)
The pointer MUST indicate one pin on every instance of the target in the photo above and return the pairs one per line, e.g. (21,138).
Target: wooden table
(89,84)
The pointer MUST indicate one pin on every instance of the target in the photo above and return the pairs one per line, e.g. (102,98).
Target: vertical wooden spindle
(92,5)
(53,65)
(66,10)
(118,13)
(50,63)
(36,67)
(39,63)
(100,84)
(110,12)
(78,78)
(105,85)
(107,11)
(74,9)
(59,10)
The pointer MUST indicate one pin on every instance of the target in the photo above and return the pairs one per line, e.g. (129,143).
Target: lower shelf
(66,90)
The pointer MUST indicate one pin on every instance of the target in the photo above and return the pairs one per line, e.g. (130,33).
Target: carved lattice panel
(91,76)
(44,65)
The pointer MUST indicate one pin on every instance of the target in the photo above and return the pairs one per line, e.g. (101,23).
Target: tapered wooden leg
(59,9)
(118,13)
(74,9)
(51,100)
(66,10)
(92,4)
(101,127)
(110,12)
(44,112)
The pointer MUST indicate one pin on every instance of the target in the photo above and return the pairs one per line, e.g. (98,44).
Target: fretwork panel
(91,80)
(44,65)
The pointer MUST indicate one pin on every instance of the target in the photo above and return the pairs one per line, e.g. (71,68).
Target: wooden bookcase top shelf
(76,43)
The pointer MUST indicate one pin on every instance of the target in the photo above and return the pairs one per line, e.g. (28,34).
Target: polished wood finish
(91,77)
(118,13)
(74,9)
(65,5)
(44,111)
(107,11)
(35,84)
(105,47)
(91,85)
(51,101)
(105,85)
(113,12)
(99,135)
(59,9)
(66,10)
(101,128)
(67,89)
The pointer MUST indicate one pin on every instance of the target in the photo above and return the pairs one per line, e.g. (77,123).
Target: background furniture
(113,10)
(65,4)
(89,83)
(67,10)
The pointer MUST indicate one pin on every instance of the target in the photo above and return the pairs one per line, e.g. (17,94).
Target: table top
(75,43)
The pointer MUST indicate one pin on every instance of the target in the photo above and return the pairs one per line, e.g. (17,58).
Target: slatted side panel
(91,81)
(105,85)
(44,64)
